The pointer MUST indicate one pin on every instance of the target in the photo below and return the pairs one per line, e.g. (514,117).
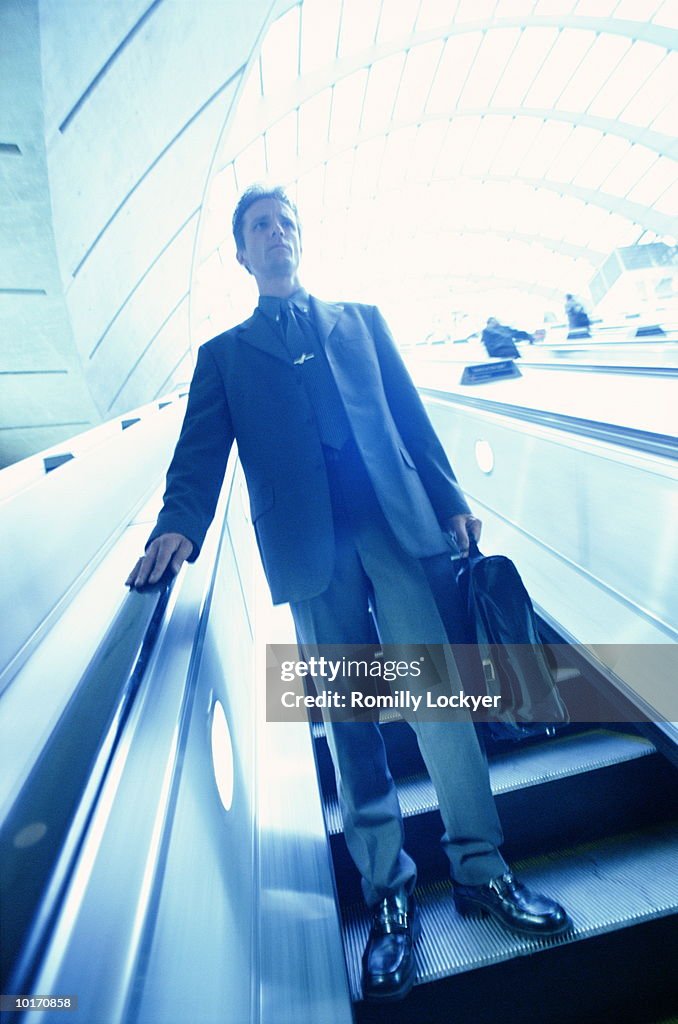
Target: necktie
(314,373)
(293,335)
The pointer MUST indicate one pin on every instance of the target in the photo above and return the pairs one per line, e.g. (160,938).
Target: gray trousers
(372,568)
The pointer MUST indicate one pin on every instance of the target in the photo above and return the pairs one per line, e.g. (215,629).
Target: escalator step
(607,885)
(563,674)
(521,768)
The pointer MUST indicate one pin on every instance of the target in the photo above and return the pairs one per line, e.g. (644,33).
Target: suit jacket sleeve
(197,469)
(415,427)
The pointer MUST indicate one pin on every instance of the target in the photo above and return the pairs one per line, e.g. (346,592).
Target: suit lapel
(326,315)
(259,332)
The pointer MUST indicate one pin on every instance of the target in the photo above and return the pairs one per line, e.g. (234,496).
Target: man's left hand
(463,527)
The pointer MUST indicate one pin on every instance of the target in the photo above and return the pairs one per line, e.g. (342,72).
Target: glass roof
(475,155)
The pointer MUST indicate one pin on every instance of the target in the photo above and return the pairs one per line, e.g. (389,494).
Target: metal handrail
(43,832)
(646,441)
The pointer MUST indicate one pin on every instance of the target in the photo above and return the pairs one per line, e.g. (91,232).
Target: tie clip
(303,357)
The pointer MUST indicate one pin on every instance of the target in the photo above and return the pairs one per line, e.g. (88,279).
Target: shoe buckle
(501,883)
(392,919)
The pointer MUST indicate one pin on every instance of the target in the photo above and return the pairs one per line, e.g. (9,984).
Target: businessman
(351,494)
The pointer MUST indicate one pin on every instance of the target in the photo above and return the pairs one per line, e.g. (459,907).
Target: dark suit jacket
(246,388)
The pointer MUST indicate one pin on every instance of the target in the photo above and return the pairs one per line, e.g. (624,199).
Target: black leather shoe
(389,970)
(513,905)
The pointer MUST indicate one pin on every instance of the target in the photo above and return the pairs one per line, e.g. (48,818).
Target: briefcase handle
(473,549)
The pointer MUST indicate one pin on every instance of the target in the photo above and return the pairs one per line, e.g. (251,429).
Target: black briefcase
(499,618)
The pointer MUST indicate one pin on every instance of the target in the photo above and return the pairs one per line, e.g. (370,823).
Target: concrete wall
(115,108)
(43,396)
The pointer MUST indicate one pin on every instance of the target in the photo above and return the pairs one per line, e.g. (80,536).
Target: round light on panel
(222,755)
(484,456)
(29,835)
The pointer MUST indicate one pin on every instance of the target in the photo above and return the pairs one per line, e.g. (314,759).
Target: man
(499,340)
(578,320)
(351,493)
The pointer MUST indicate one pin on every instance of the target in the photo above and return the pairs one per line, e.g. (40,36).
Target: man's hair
(252,195)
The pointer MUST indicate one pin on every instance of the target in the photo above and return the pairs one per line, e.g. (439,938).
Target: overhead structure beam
(575,252)
(517,284)
(272,108)
(649,218)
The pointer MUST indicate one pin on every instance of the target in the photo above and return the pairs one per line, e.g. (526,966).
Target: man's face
(272,244)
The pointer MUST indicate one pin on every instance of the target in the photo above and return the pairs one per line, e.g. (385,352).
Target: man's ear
(242,260)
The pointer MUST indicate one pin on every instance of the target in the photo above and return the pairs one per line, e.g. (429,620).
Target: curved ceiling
(453,156)
(447,156)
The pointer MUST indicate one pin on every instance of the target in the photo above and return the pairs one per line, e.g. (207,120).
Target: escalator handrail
(648,442)
(45,827)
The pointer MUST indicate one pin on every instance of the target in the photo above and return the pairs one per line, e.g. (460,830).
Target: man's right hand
(169,549)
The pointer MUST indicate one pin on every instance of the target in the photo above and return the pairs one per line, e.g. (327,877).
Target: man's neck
(279,287)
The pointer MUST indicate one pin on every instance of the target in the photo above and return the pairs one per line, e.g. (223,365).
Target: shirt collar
(270,305)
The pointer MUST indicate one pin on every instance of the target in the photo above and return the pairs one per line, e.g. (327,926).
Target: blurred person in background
(500,340)
(578,320)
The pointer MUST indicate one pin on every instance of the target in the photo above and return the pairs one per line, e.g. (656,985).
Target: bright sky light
(453,154)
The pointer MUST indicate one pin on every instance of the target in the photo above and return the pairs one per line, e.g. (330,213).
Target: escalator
(589,818)
(160,843)
(185,863)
